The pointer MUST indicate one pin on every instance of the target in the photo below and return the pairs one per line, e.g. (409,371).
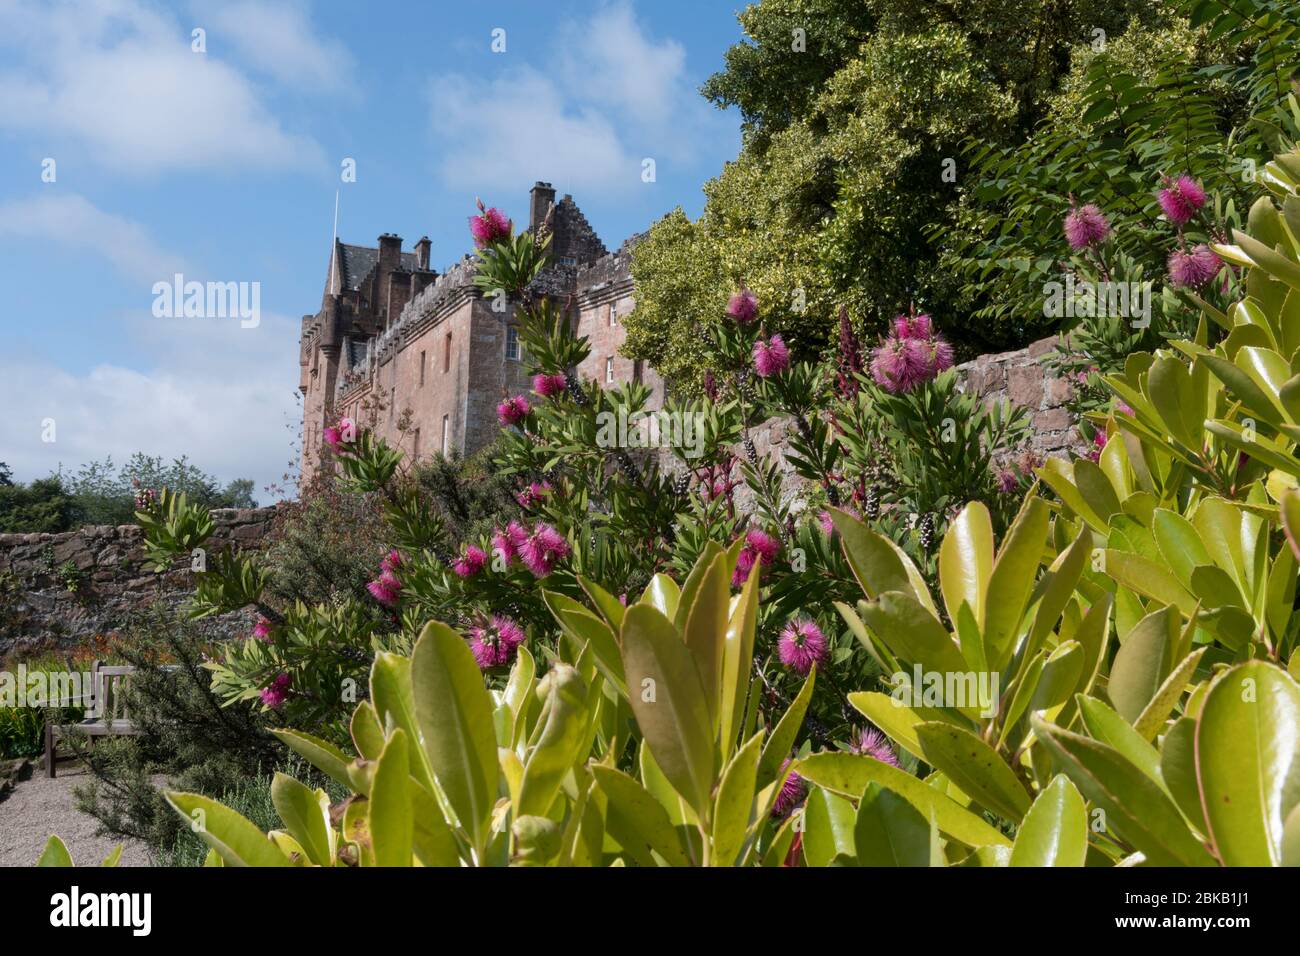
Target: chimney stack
(422,252)
(390,260)
(542,198)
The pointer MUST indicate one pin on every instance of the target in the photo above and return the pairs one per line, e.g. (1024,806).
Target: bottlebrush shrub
(1143,756)
(1134,118)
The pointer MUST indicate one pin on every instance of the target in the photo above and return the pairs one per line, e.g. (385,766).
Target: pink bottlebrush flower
(622,599)
(470,563)
(1007,481)
(510,542)
(872,743)
(336,436)
(548,386)
(1193,269)
(802,645)
(1181,199)
(390,580)
(275,694)
(513,410)
(743,306)
(899,365)
(392,561)
(382,593)
(262,630)
(1085,226)
(827,525)
(495,645)
(760,548)
(942,358)
(913,326)
(543,549)
(792,793)
(489,226)
(771,357)
(533,493)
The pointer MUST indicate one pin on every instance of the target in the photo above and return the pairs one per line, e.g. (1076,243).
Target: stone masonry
(60,590)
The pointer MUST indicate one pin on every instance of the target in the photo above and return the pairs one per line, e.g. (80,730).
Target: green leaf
(321,754)
(706,630)
(1136,809)
(850,774)
(454,711)
(889,831)
(975,767)
(1012,581)
(731,811)
(392,826)
(1113,730)
(55,854)
(897,721)
(966,560)
(587,630)
(1248,762)
(367,733)
(561,742)
(392,694)
(637,820)
(913,633)
(878,564)
(1155,713)
(234,837)
(1146,577)
(1178,770)
(115,856)
(668,699)
(306,814)
(828,828)
(783,737)
(737,659)
(1055,830)
(663,595)
(1140,663)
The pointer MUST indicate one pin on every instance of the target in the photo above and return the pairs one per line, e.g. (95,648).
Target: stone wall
(60,590)
(1021,376)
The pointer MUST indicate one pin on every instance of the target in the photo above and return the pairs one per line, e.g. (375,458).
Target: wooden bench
(106,710)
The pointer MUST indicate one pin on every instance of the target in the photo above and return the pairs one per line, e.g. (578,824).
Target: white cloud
(122,79)
(279,40)
(610,97)
(613,62)
(207,388)
(71,220)
(511,129)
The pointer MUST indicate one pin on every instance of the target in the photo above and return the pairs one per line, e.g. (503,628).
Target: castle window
(613,316)
(636,371)
(421,368)
(392,403)
(609,370)
(415,445)
(446,434)
(568,261)
(512,343)
(446,353)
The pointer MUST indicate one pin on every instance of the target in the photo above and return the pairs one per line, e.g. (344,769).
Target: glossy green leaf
(637,820)
(454,711)
(667,697)
(1012,581)
(1248,761)
(1140,663)
(1055,830)
(706,630)
(1157,711)
(828,827)
(55,854)
(1136,809)
(889,831)
(975,767)
(392,826)
(561,741)
(306,814)
(321,754)
(850,774)
(734,804)
(966,560)
(1110,728)
(786,732)
(234,837)
(898,722)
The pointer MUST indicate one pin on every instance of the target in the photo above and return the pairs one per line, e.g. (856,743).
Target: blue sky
(223,165)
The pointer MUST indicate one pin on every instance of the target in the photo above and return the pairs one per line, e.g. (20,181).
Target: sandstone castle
(423,359)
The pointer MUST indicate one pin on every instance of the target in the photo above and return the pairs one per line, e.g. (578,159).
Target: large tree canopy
(854,130)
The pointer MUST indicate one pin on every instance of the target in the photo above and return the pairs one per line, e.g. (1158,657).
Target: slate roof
(359,260)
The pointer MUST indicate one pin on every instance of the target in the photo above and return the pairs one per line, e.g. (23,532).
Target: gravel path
(39,806)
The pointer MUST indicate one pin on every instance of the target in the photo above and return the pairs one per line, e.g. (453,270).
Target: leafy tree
(840,184)
(43,505)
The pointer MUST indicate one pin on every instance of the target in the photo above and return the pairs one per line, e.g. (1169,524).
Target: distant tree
(43,505)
